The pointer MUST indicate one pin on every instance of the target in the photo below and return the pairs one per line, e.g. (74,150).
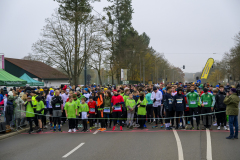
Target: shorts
(57,113)
(50,111)
(39,116)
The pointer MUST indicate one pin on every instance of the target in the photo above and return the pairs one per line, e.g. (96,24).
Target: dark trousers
(141,120)
(106,116)
(207,119)
(149,112)
(196,112)
(35,118)
(156,111)
(221,117)
(178,114)
(233,120)
(91,116)
(44,119)
(169,115)
(30,119)
(64,116)
(116,116)
(71,123)
(84,124)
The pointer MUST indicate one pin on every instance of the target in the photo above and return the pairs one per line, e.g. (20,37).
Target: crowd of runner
(87,108)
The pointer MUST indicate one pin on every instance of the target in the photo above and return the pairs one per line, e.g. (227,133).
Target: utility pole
(140,68)
(144,70)
(85,56)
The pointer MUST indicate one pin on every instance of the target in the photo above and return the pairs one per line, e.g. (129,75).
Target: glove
(154,100)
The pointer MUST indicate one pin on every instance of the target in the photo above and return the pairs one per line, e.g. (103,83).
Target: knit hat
(154,88)
(205,90)
(86,89)
(105,89)
(67,90)
(233,90)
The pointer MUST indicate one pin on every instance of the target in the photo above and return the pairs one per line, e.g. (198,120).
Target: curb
(13,134)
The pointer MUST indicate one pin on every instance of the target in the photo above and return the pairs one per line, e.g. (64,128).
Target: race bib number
(92,109)
(107,109)
(170,101)
(205,103)
(187,105)
(57,105)
(193,102)
(117,108)
(179,100)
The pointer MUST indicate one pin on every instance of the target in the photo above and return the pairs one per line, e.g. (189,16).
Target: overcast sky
(181,29)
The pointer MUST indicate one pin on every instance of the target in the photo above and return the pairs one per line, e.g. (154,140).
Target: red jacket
(92,107)
(117,99)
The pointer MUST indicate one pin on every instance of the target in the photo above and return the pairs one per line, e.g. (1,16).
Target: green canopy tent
(31,81)
(6,79)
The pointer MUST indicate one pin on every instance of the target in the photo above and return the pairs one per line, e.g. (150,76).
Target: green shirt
(84,108)
(34,102)
(71,107)
(77,102)
(40,106)
(29,110)
(130,103)
(142,110)
(125,97)
(207,99)
(192,98)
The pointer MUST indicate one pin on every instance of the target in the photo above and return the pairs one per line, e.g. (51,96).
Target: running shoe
(74,130)
(103,129)
(113,128)
(90,128)
(59,130)
(225,128)
(121,128)
(145,126)
(70,130)
(99,129)
(218,128)
(155,126)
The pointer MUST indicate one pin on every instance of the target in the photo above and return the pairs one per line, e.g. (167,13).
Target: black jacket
(168,102)
(56,101)
(179,102)
(219,100)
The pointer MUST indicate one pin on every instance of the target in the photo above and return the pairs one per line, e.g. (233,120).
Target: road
(117,145)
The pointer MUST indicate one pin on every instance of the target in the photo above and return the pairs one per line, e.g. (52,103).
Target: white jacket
(158,97)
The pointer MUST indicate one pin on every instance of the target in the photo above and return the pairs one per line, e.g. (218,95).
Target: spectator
(232,102)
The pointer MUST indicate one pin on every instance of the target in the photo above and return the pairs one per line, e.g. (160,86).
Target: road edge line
(179,145)
(209,145)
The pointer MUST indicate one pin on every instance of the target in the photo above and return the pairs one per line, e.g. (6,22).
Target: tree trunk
(99,76)
(76,49)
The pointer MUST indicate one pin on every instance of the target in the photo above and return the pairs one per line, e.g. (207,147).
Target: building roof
(37,68)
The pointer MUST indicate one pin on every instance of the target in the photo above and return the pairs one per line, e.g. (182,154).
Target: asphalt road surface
(118,145)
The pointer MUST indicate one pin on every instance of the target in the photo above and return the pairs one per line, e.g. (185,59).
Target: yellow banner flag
(207,68)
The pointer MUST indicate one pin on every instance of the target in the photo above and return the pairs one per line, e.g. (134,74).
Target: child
(77,102)
(130,104)
(92,111)
(141,104)
(84,113)
(40,111)
(71,111)
(29,113)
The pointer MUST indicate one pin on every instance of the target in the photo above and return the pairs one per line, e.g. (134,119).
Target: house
(36,70)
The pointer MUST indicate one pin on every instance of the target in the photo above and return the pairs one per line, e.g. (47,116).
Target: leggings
(71,123)
(150,112)
(179,114)
(116,116)
(101,120)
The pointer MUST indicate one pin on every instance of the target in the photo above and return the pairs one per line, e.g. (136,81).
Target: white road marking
(96,132)
(179,145)
(209,145)
(66,155)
